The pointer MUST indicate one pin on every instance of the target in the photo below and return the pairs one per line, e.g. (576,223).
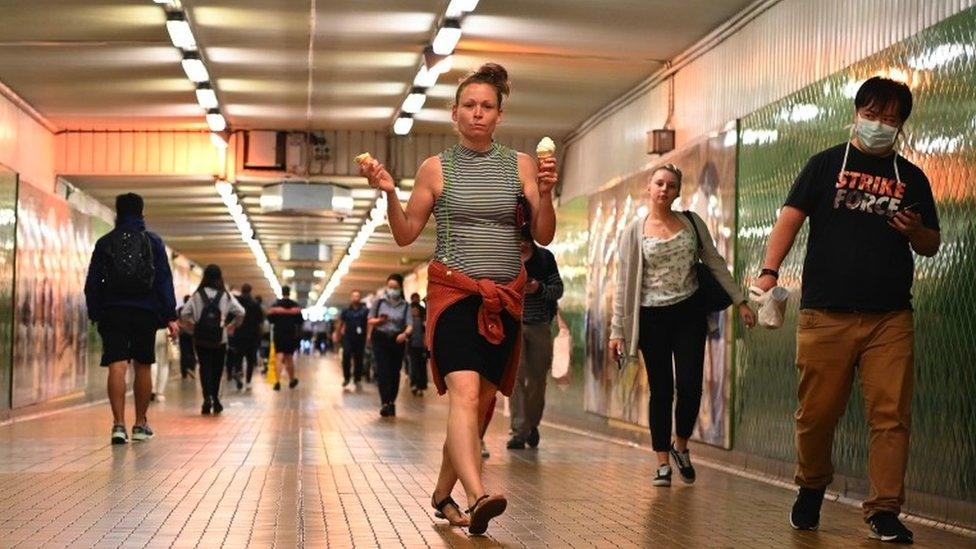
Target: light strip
(447,37)
(236,210)
(415,101)
(194,68)
(207,97)
(216,121)
(403,124)
(179,31)
(457,8)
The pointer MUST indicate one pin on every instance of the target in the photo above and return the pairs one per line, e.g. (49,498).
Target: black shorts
(458,346)
(286,345)
(128,334)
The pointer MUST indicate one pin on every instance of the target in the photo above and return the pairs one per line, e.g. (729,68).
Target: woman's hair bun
(492,74)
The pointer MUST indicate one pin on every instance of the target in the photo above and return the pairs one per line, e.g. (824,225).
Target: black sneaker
(119,436)
(387,410)
(533,439)
(885,526)
(516,443)
(663,476)
(217,406)
(292,383)
(239,382)
(277,386)
(806,509)
(142,432)
(683,461)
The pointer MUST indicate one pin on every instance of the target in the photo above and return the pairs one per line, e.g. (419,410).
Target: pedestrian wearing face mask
(869,208)
(389,318)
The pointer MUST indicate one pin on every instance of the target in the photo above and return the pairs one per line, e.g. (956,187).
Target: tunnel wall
(773,143)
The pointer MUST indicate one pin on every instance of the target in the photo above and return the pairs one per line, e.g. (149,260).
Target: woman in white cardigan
(658,309)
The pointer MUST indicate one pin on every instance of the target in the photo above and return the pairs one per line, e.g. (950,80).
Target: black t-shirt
(854,259)
(253,317)
(286,326)
(354,322)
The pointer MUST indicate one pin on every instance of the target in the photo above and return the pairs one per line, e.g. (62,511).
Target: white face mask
(875,136)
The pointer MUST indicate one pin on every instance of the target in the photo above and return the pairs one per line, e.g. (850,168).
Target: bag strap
(694,226)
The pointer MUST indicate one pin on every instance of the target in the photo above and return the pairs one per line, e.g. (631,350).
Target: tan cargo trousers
(879,347)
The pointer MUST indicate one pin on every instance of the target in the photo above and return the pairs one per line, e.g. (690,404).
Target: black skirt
(459,347)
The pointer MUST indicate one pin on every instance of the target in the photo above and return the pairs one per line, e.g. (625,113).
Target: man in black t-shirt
(245,340)
(351,331)
(286,319)
(869,209)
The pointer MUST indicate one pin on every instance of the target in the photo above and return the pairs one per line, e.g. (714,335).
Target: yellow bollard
(272,377)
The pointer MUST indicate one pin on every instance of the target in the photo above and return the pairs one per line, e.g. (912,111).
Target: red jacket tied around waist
(446,287)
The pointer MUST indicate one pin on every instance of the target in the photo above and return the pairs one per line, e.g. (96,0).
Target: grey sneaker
(119,436)
(142,432)
(663,476)
(683,461)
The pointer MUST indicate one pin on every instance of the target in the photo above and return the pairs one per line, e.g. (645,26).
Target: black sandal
(440,510)
(484,509)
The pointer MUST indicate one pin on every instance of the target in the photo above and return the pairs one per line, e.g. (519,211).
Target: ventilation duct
(304,251)
(317,198)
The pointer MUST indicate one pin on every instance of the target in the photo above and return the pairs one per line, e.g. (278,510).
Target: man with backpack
(129,293)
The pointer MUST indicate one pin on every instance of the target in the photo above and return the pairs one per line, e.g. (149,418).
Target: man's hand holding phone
(907,220)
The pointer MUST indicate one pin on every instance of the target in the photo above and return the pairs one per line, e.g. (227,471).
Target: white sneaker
(160,397)
(247,387)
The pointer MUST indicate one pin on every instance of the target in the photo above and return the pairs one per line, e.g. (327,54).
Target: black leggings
(674,332)
(418,367)
(211,365)
(389,359)
(236,356)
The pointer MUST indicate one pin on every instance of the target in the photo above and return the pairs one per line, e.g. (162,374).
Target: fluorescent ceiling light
(415,101)
(459,7)
(425,78)
(224,188)
(194,68)
(216,122)
(403,124)
(218,141)
(207,98)
(318,273)
(447,37)
(179,31)
(288,273)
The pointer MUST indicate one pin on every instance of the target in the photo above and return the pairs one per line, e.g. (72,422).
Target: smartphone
(913,207)
(620,360)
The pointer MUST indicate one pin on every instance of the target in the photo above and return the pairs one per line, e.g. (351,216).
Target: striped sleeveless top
(475,213)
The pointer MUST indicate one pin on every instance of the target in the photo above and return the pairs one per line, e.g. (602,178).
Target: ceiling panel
(108,64)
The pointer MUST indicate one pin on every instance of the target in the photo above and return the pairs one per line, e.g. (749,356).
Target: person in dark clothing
(542,293)
(129,293)
(188,357)
(245,341)
(212,314)
(390,330)
(351,332)
(416,349)
(286,320)
(869,209)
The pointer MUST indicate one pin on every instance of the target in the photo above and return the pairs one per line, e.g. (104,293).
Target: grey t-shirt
(397,313)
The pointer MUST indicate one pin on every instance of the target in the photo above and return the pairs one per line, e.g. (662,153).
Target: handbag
(714,297)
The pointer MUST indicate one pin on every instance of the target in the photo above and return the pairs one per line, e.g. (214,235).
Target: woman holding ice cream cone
(481,194)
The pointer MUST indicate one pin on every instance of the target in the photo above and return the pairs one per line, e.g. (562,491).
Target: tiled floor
(317,467)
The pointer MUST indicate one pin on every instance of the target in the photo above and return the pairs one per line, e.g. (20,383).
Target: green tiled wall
(940,65)
(8,224)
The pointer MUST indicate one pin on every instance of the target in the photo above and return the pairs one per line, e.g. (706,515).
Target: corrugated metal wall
(792,44)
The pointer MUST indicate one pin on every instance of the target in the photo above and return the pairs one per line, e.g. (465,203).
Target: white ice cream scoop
(545,148)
